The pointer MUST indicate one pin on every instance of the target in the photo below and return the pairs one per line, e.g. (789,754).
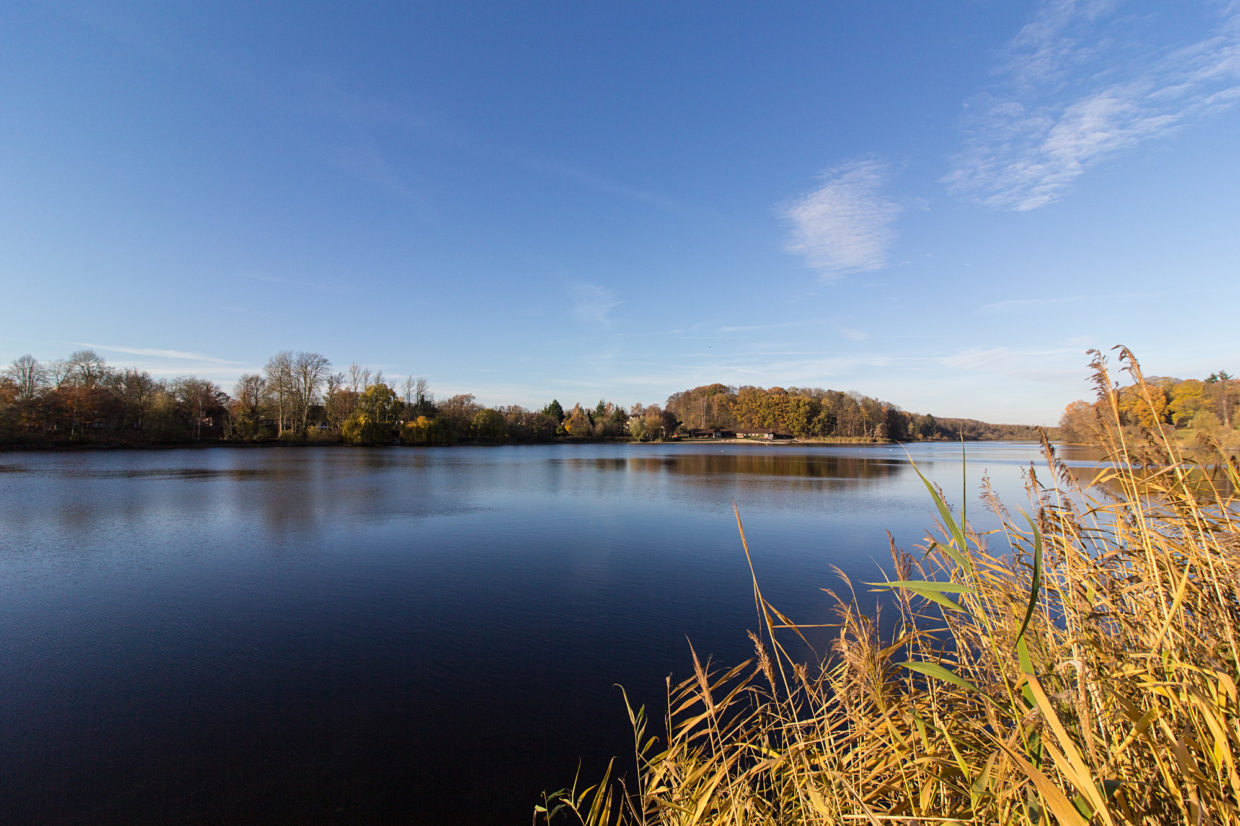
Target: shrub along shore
(1080,666)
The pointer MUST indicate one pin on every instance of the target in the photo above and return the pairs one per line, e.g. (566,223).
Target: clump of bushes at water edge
(1081,666)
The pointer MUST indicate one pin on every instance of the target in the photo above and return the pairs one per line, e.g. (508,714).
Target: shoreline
(248,445)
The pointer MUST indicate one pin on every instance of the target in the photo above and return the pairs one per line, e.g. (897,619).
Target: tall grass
(1078,666)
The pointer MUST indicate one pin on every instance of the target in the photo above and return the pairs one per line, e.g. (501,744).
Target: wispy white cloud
(179,355)
(1030,303)
(1080,84)
(1112,298)
(1053,364)
(163,362)
(285,281)
(362,158)
(592,303)
(758,328)
(592,180)
(845,225)
(1053,43)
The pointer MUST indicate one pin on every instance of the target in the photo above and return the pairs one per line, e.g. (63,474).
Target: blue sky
(939,204)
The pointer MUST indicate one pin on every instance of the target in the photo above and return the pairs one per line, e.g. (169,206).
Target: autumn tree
(1145,408)
(488,426)
(1186,400)
(528,426)
(247,406)
(706,407)
(652,423)
(424,430)
(374,420)
(457,413)
(379,402)
(9,421)
(1079,423)
(339,400)
(577,423)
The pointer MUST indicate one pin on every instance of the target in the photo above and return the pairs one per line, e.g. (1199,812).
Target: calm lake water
(423,636)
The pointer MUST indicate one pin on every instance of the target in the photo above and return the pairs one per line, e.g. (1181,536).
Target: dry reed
(1084,672)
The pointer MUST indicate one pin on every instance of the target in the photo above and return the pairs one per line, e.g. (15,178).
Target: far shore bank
(66,447)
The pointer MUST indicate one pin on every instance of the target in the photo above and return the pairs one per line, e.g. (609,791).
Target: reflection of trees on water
(290,494)
(1204,476)
(720,467)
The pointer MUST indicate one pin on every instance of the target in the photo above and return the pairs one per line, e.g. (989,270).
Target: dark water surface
(422,636)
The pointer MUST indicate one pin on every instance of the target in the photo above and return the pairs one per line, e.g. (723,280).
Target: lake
(426,636)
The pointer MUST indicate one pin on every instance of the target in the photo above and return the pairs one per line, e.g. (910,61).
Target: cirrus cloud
(845,225)
(1079,85)
(592,303)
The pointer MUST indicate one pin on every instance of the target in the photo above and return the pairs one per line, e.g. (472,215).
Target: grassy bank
(1078,666)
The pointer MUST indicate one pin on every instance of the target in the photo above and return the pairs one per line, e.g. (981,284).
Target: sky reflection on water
(257,634)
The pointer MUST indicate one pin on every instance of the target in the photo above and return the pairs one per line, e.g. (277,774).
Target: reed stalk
(1080,666)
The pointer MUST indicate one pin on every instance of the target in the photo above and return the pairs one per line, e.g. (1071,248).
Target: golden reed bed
(1078,666)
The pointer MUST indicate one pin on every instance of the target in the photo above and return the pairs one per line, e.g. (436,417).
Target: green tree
(555,411)
(1222,392)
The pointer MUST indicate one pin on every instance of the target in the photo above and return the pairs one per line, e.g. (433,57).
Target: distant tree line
(814,413)
(299,398)
(1187,407)
(296,398)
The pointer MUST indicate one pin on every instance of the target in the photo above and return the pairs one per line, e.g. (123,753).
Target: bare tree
(59,373)
(87,367)
(83,370)
(338,400)
(280,387)
(248,395)
(249,392)
(309,372)
(136,391)
(407,390)
(335,383)
(359,377)
(29,377)
(198,398)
